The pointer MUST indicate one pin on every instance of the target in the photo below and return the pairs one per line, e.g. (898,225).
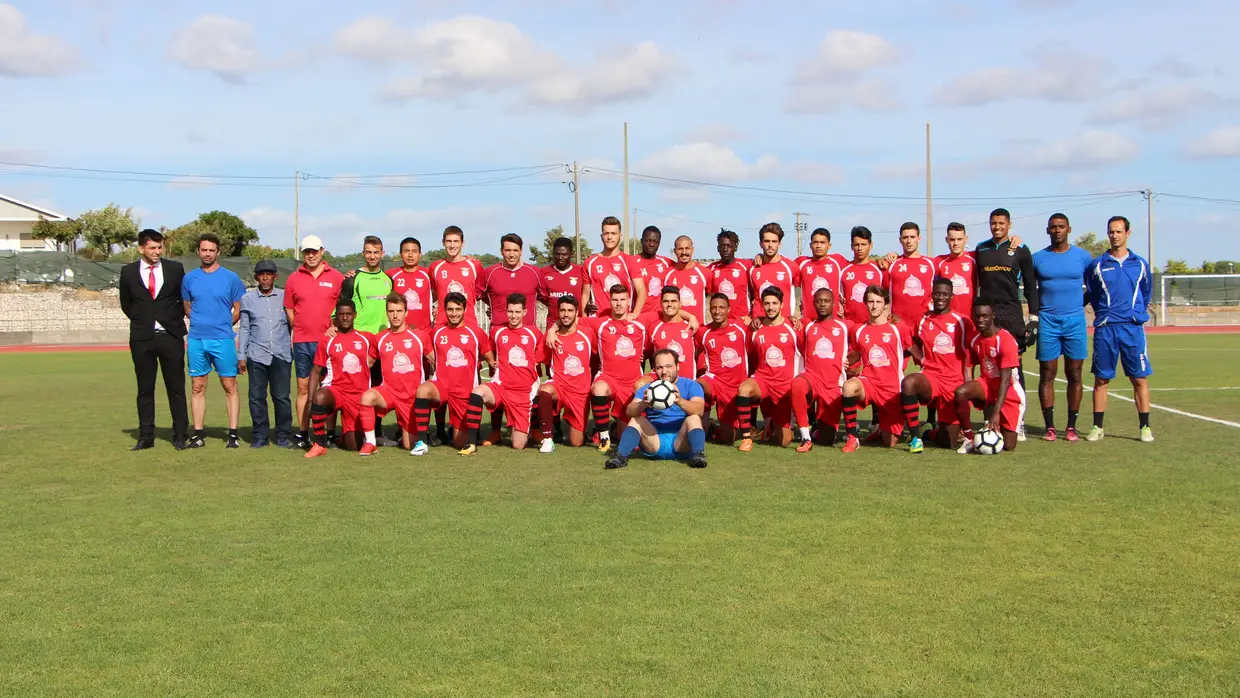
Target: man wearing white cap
(309,299)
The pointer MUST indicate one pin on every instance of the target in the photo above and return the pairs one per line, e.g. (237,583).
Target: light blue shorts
(667,447)
(1123,344)
(1062,335)
(204,354)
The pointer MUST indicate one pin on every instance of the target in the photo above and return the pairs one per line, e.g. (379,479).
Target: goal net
(1198,299)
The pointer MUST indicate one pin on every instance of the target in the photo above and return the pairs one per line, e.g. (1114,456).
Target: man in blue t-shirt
(212,297)
(1060,272)
(669,434)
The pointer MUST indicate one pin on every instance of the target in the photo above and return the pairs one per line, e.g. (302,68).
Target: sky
(407,116)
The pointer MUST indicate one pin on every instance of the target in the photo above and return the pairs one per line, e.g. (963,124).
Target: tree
(1177,266)
(541,254)
(107,227)
(1091,244)
(1207,268)
(257,253)
(63,233)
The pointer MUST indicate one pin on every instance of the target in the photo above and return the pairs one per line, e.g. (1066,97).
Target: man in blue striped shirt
(267,355)
(1119,284)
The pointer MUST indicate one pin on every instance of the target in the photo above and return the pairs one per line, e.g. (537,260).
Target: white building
(17,219)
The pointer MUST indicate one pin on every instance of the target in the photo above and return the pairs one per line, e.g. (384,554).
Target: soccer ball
(661,394)
(987,442)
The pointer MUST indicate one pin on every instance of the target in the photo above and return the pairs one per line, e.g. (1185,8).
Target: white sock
(370,438)
(805,434)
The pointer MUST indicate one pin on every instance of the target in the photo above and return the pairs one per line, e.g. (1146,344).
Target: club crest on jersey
(628,330)
(525,340)
(408,344)
(731,336)
(964,267)
(615,266)
(572,281)
(835,331)
(736,273)
(465,272)
(684,334)
(869,275)
(886,336)
(464,339)
(783,337)
(951,326)
(417,282)
(779,276)
(581,346)
(357,345)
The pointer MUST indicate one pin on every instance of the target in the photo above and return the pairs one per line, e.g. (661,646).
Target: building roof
(35,211)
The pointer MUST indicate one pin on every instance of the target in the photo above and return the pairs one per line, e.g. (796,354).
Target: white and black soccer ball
(987,442)
(661,394)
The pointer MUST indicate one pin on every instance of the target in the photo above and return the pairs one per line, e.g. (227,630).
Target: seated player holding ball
(665,434)
(998,389)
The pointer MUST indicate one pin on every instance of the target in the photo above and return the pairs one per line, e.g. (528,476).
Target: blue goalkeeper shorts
(667,447)
(1122,343)
(1062,335)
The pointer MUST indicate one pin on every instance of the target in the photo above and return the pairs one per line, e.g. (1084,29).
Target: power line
(139,173)
(1209,199)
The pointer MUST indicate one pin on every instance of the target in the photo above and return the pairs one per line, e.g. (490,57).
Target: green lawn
(1060,569)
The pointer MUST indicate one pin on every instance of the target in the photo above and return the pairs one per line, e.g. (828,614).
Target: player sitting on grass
(997,391)
(667,434)
(399,350)
(345,357)
(941,347)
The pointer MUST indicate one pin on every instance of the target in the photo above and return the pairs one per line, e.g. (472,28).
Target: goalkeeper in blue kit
(668,434)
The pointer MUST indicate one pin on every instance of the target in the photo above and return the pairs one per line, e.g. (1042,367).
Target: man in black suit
(150,290)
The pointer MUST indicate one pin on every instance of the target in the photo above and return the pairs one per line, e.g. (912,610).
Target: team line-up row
(702,327)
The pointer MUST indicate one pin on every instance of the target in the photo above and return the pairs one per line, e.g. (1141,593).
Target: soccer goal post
(1196,290)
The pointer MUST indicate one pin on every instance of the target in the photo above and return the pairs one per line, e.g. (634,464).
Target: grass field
(1061,569)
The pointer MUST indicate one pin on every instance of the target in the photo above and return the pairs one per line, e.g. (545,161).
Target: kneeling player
(725,346)
(515,380)
(826,359)
(568,388)
(669,434)
(399,351)
(941,348)
(775,344)
(998,390)
(459,348)
(346,359)
(621,347)
(880,344)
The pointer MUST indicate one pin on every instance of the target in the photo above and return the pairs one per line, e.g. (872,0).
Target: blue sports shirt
(1119,289)
(673,416)
(212,296)
(1061,280)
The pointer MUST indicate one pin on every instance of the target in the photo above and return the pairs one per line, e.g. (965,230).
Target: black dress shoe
(143,444)
(179,443)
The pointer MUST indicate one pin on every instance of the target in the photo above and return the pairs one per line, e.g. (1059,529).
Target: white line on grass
(1152,390)
(1172,410)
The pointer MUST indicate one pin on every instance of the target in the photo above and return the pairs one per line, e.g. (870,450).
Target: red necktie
(150,281)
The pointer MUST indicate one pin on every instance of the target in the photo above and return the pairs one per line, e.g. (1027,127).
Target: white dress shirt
(146,267)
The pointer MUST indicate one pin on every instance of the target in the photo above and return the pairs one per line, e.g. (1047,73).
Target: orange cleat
(806,446)
(746,446)
(367,450)
(316,451)
(494,438)
(851,445)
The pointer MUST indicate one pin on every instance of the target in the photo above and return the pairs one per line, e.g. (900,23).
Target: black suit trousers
(161,353)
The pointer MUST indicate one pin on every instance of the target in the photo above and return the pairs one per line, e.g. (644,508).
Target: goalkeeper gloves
(1031,331)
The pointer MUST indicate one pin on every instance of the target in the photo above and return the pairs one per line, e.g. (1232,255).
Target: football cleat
(745,446)
(915,445)
(233,442)
(195,442)
(697,460)
(419,449)
(1147,435)
(604,444)
(806,446)
(1020,432)
(548,446)
(1095,433)
(615,462)
(851,444)
(316,451)
(469,450)
(1050,434)
(1070,435)
(367,450)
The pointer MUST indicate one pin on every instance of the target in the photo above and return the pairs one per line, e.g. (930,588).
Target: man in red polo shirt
(309,299)
(508,277)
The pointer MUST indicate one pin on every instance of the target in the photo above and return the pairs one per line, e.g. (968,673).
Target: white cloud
(26,54)
(216,44)
(1089,150)
(706,161)
(717,133)
(836,77)
(1054,77)
(471,54)
(1222,142)
(873,94)
(1155,108)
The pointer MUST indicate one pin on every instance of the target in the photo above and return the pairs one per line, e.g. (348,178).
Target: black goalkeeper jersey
(1000,272)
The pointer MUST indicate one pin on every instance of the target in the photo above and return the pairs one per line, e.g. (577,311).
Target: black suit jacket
(143,311)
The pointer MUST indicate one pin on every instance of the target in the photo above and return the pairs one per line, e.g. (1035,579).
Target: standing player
(511,276)
(341,375)
(414,283)
(651,267)
(456,273)
(514,383)
(692,280)
(621,345)
(610,268)
(959,266)
(670,331)
(773,271)
(309,296)
(1060,269)
(369,288)
(725,345)
(567,390)
(1119,286)
(818,271)
(941,347)
(997,391)
(730,276)
(880,345)
(909,277)
(399,351)
(777,347)
(826,362)
(669,434)
(562,278)
(212,297)
(459,350)
(861,273)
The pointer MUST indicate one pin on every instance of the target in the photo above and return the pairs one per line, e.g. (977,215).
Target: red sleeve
(427,342)
(374,348)
(290,288)
(1009,355)
(392,271)
(484,345)
(320,354)
(585,272)
(481,286)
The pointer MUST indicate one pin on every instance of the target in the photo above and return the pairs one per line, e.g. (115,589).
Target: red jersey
(694,285)
(732,280)
(995,355)
(347,360)
(882,352)
(945,344)
(651,272)
(556,283)
(678,337)
(781,274)
(312,300)
(962,270)
(516,356)
(778,352)
(817,274)
(415,286)
(570,361)
(461,276)
(855,279)
(458,351)
(826,351)
(621,347)
(604,272)
(499,281)
(400,356)
(727,352)
(910,281)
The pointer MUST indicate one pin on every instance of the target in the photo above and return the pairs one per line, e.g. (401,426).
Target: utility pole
(576,216)
(297,216)
(929,211)
(800,227)
(1149,225)
(624,239)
